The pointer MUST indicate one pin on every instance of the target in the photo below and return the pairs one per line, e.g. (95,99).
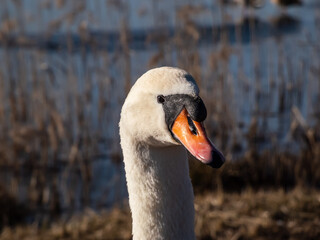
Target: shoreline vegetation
(249,215)
(60,100)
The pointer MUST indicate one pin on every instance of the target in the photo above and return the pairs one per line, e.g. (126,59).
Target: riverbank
(248,215)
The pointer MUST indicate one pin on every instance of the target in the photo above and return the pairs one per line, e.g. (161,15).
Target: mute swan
(160,118)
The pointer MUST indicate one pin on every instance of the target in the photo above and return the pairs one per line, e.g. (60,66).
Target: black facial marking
(174,104)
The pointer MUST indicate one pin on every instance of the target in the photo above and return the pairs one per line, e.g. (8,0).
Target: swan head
(163,108)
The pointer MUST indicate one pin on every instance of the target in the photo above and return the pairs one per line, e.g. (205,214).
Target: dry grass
(249,215)
(261,215)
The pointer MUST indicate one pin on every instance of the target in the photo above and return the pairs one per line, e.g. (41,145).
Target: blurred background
(66,67)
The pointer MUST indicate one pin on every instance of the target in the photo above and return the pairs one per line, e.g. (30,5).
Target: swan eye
(160,99)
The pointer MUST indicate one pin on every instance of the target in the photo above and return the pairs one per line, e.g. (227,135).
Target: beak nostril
(192,127)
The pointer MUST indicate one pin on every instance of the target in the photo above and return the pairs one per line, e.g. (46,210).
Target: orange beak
(193,136)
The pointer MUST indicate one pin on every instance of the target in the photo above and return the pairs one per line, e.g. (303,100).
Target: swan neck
(160,192)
